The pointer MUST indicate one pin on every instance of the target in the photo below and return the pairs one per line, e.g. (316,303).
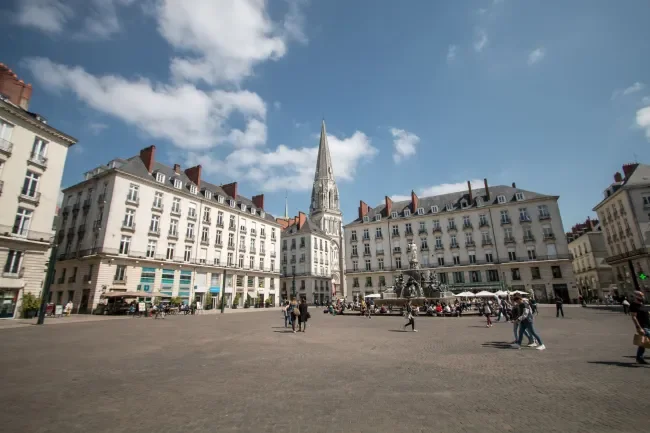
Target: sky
(417,95)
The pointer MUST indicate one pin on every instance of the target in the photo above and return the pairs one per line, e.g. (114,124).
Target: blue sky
(417,95)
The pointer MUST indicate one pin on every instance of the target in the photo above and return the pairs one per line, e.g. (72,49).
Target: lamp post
(293,284)
(223,292)
(49,276)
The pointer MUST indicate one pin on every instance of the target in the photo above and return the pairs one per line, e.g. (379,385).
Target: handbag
(296,312)
(308,315)
(641,340)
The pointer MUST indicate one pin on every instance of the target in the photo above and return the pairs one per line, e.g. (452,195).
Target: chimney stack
(231,190)
(628,169)
(147,155)
(415,202)
(301,219)
(618,177)
(469,187)
(487,191)
(389,206)
(514,185)
(177,168)
(194,174)
(258,201)
(16,90)
(363,209)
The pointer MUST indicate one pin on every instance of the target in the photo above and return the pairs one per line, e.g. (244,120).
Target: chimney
(194,174)
(389,206)
(415,202)
(618,177)
(469,187)
(590,223)
(147,155)
(363,209)
(230,189)
(16,90)
(258,201)
(514,185)
(487,191)
(177,168)
(301,218)
(628,169)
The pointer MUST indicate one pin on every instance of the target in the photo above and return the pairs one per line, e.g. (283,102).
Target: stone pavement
(245,373)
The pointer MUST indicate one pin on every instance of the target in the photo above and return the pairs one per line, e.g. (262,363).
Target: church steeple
(324,161)
(325,194)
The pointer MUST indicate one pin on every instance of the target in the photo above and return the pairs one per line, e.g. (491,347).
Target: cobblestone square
(246,373)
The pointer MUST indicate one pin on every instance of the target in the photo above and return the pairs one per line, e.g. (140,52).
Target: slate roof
(136,167)
(309,227)
(454,198)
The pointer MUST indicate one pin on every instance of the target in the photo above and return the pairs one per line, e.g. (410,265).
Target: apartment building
(136,224)
(32,158)
(306,260)
(594,276)
(494,238)
(624,213)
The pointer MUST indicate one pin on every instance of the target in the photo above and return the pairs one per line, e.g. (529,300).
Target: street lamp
(293,284)
(49,276)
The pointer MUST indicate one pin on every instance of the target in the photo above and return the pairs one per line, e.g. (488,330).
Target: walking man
(558,306)
(303,317)
(641,320)
(409,316)
(526,324)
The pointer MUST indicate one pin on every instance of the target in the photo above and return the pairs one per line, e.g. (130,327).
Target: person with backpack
(526,324)
(287,314)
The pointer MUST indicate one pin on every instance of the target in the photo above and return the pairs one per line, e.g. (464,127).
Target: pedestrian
(287,314)
(295,312)
(371,307)
(409,317)
(626,306)
(488,311)
(558,306)
(517,311)
(303,316)
(641,320)
(533,306)
(526,324)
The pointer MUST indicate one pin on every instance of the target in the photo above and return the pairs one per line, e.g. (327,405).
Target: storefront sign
(141,306)
(58,310)
(215,289)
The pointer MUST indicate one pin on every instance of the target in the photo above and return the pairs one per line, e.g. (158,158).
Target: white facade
(32,158)
(120,231)
(512,239)
(593,275)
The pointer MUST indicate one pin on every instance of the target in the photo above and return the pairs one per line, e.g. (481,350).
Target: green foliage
(236,300)
(30,302)
(176,300)
(156,301)
(208,301)
(267,302)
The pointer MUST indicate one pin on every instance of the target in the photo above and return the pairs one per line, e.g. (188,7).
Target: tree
(208,301)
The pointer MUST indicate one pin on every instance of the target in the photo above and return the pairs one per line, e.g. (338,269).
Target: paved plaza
(245,373)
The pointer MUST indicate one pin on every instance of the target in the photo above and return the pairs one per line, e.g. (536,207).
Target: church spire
(324,161)
(286,205)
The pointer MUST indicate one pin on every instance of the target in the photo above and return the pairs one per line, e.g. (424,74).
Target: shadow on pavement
(397,330)
(497,345)
(288,331)
(617,364)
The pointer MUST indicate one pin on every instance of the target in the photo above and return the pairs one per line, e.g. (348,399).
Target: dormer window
(479,201)
(407,212)
(160,177)
(366,219)
(232,203)
(420,211)
(262,214)
(220,199)
(253,211)
(377,217)
(501,199)
(393,214)
(449,207)
(434,209)
(463,204)
(243,207)
(208,194)
(194,189)
(178,184)
(519,196)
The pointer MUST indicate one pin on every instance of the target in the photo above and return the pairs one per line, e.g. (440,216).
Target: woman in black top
(302,318)
(641,322)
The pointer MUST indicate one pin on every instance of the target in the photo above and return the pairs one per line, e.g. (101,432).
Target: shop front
(215,291)
(8,301)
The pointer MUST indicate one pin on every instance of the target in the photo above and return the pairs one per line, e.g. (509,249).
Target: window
(451,224)
(378,234)
(441,261)
(261,262)
(160,177)
(220,199)
(456,259)
(532,255)
(129,217)
(523,214)
(170,251)
(173,227)
(501,199)
(393,214)
(157,200)
(6,130)
(30,186)
(377,217)
(355,265)
(365,220)
(132,195)
(178,183)
(189,234)
(368,281)
(229,259)
(475,276)
(535,274)
(207,194)
(355,282)
(463,204)
(453,241)
(206,215)
(479,201)
(125,244)
(39,150)
(194,189)
(242,207)
(438,241)
(380,264)
(519,196)
(420,211)
(492,275)
(515,274)
(407,229)
(424,245)
(22,222)
(482,220)
(231,240)
(489,258)
(398,262)
(507,234)
(485,237)
(512,255)
(253,211)
(395,230)
(466,221)
(472,257)
(436,225)
(252,244)
(459,277)
(368,265)
(423,227)
(241,261)
(14,260)
(120,273)
(449,207)
(434,209)
(407,212)
(205,234)
(251,262)
(543,212)
(151,248)
(218,241)
(242,242)
(154,227)
(505,218)
(557,272)
(354,251)
(548,232)
(366,249)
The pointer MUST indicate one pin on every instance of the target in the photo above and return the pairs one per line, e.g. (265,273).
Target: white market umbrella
(466,295)
(373,295)
(519,292)
(485,293)
(502,293)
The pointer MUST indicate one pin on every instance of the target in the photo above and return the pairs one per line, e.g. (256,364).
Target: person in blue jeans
(641,320)
(517,311)
(526,325)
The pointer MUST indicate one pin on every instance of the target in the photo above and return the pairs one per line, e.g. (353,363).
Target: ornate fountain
(414,283)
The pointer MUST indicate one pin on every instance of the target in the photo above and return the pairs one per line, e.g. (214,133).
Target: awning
(132,294)
(215,289)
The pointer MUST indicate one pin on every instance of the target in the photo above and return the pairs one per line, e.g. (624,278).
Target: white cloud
(224,38)
(443,188)
(287,168)
(103,21)
(49,16)
(451,53)
(277,105)
(188,117)
(481,41)
(96,127)
(643,120)
(536,56)
(634,88)
(404,143)
(645,100)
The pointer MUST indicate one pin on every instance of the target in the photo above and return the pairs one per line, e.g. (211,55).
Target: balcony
(549,236)
(65,211)
(101,198)
(218,244)
(397,250)
(486,242)
(38,160)
(205,241)
(154,231)
(439,247)
(6,147)
(242,249)
(509,240)
(379,237)
(60,280)
(544,216)
(207,221)
(454,246)
(354,254)
(425,248)
(175,211)
(273,238)
(292,261)
(30,197)
(120,282)
(379,252)
(87,279)
(219,222)
(437,229)
(132,200)
(422,231)
(529,238)
(72,279)
(190,237)
(470,243)
(231,246)
(71,231)
(76,207)
(81,229)
(524,219)
(172,234)
(232,227)
(253,250)
(467,226)
(302,246)
(354,239)
(273,253)
(394,235)
(9,274)
(628,231)
(505,221)
(86,205)
(128,226)
(452,227)
(365,254)
(191,215)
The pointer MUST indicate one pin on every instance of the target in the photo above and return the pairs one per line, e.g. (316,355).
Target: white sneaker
(542,347)
(415,330)
(515,346)
(533,345)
